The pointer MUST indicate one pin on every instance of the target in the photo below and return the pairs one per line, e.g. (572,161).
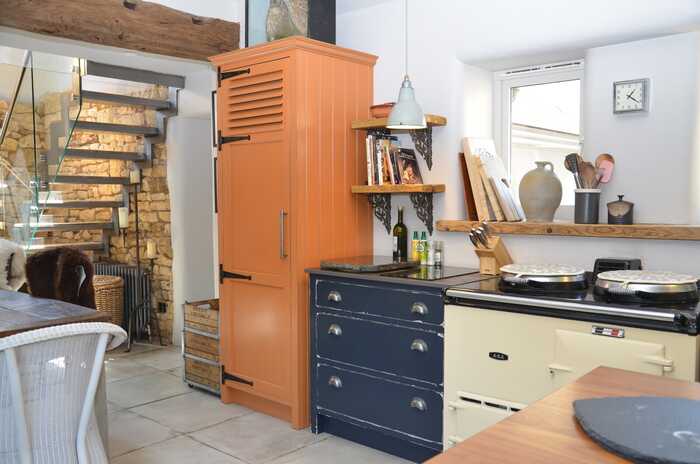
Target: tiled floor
(154,417)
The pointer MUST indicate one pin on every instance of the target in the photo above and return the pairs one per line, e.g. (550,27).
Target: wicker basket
(109,296)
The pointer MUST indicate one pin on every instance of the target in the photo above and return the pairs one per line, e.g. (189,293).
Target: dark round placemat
(644,429)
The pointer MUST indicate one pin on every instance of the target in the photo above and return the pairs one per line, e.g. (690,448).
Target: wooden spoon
(588,174)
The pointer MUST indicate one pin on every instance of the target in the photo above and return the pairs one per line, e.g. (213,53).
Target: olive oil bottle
(400,236)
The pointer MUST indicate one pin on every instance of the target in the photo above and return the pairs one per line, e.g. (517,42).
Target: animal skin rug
(12,265)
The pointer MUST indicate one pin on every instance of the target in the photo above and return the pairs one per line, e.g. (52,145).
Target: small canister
(620,211)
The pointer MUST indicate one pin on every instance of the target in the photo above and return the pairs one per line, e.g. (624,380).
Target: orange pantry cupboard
(287,159)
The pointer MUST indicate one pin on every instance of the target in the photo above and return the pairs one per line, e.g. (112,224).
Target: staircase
(42,231)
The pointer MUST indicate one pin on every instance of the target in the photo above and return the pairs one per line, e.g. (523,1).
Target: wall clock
(631,96)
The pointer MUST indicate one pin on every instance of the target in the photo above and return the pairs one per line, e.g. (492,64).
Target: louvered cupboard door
(254,202)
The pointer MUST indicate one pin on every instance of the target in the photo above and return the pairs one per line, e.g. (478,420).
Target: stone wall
(153,196)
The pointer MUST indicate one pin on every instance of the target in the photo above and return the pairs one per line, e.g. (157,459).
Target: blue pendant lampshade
(407,113)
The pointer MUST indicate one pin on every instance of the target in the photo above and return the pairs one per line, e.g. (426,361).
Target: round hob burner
(647,286)
(543,278)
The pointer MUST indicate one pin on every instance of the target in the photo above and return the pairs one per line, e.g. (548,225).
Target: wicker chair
(48,380)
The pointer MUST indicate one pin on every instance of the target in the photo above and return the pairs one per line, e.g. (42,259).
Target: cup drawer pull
(419,345)
(335,329)
(334,296)
(419,404)
(335,382)
(419,309)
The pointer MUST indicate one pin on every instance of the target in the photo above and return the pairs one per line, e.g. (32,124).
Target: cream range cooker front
(503,352)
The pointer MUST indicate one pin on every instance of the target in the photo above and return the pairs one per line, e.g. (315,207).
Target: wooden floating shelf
(410,188)
(380,123)
(639,231)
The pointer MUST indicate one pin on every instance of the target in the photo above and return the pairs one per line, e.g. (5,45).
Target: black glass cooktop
(429,272)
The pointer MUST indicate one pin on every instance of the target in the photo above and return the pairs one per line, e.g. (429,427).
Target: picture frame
(314,19)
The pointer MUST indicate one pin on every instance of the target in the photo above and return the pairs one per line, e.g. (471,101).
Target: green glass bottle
(423,248)
(400,237)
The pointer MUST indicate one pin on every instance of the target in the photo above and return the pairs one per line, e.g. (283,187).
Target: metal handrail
(15,94)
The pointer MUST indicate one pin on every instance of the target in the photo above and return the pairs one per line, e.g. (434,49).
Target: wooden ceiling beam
(131,24)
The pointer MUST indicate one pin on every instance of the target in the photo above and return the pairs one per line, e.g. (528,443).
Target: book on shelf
(493,198)
(381,164)
(409,171)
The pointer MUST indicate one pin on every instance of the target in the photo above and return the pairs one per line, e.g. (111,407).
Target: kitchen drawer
(409,352)
(396,303)
(392,406)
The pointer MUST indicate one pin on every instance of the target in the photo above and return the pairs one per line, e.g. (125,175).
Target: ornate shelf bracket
(423,140)
(381,204)
(423,204)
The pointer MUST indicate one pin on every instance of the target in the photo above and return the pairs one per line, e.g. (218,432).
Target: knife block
(491,259)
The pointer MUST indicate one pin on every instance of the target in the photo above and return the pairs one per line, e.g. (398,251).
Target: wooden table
(20,312)
(547,431)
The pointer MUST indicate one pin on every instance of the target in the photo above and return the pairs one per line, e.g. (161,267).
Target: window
(539,117)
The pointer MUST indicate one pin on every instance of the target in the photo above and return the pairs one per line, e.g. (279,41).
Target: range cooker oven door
(577,353)
(514,358)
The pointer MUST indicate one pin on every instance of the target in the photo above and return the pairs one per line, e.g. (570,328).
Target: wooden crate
(203,316)
(203,373)
(201,344)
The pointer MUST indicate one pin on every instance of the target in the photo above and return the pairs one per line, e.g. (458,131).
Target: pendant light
(407,113)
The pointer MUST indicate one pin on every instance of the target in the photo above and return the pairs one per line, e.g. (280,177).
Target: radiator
(137,293)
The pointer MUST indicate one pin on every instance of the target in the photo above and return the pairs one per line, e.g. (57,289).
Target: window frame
(505,81)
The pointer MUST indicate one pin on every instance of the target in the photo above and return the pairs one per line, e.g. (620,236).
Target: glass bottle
(400,237)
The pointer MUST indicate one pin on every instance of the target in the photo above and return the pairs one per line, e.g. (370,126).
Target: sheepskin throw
(62,274)
(12,262)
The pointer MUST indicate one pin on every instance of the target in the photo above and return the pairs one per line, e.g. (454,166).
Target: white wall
(486,32)
(653,151)
(189,178)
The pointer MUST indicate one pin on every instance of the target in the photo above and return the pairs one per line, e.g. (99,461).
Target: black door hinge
(226,376)
(234,138)
(229,74)
(231,275)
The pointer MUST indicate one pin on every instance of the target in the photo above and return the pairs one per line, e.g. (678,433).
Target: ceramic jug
(540,193)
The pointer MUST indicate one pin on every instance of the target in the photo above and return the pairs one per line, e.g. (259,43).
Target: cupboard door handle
(335,329)
(283,253)
(419,345)
(419,309)
(335,296)
(335,382)
(419,404)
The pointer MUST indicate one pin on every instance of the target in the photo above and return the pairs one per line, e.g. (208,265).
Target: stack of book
(389,164)
(488,195)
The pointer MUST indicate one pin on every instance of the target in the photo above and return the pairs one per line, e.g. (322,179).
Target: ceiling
(493,31)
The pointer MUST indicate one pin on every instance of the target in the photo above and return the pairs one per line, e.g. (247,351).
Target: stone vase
(540,193)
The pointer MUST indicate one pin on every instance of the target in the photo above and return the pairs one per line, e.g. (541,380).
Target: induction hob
(579,305)
(429,272)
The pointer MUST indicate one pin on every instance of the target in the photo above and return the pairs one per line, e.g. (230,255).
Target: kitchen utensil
(588,174)
(605,164)
(483,231)
(571,164)
(605,171)
(482,238)
(487,228)
(620,211)
(473,239)
(586,206)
